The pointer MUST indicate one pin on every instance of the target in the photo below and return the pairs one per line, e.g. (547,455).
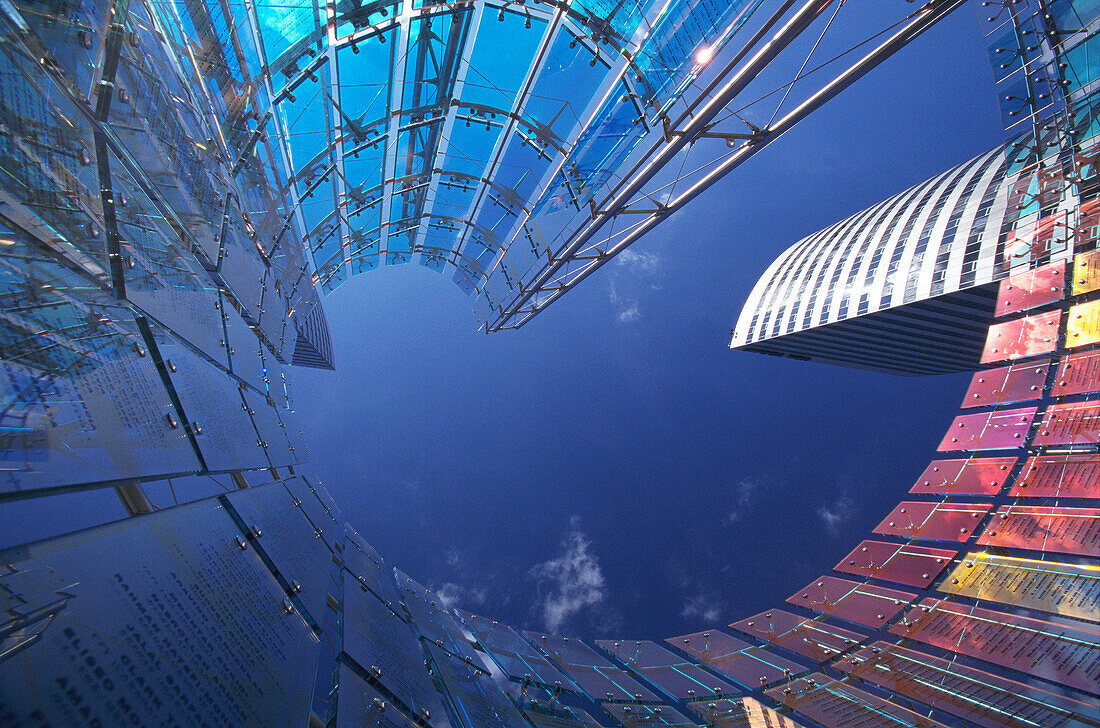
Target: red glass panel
(750,666)
(982,698)
(852,600)
(1067,476)
(1078,374)
(1065,653)
(904,564)
(989,430)
(938,521)
(1031,288)
(1014,383)
(967,476)
(1028,336)
(807,637)
(1045,528)
(839,705)
(1074,423)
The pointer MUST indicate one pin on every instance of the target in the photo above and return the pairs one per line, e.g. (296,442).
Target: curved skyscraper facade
(903,286)
(169,170)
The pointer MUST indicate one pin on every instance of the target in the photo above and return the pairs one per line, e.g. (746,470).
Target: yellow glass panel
(1069,590)
(1086,272)
(1084,324)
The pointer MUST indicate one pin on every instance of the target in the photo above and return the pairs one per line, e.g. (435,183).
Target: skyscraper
(153,208)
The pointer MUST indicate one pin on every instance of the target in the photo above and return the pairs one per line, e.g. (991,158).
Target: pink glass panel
(1045,528)
(1065,653)
(989,430)
(1075,423)
(807,637)
(904,564)
(978,696)
(1031,288)
(750,666)
(1068,476)
(1014,383)
(938,521)
(1028,336)
(1078,374)
(839,705)
(967,476)
(852,600)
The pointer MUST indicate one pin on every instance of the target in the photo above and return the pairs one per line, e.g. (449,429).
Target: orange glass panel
(989,430)
(1068,590)
(1083,326)
(1045,528)
(937,521)
(839,705)
(1067,476)
(1086,272)
(1074,423)
(1031,288)
(1028,336)
(904,564)
(967,476)
(857,602)
(1066,653)
(1077,374)
(811,638)
(1014,383)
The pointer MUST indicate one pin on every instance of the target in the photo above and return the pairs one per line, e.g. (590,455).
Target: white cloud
(740,498)
(633,274)
(642,262)
(702,608)
(453,557)
(573,580)
(453,595)
(836,514)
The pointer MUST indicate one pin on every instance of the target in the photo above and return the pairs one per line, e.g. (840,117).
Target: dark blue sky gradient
(695,475)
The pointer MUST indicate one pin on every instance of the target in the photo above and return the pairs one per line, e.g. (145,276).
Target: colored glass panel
(1083,325)
(811,638)
(638,716)
(1074,423)
(1045,528)
(1022,337)
(1052,476)
(989,430)
(970,476)
(1031,288)
(1069,590)
(1077,374)
(903,564)
(936,521)
(861,603)
(593,673)
(1086,272)
(747,665)
(839,705)
(1067,653)
(679,678)
(1014,383)
(740,713)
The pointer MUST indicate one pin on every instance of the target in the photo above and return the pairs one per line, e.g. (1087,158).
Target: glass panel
(242,265)
(564,86)
(477,700)
(370,570)
(904,564)
(433,623)
(857,602)
(1014,383)
(357,704)
(1086,272)
(387,649)
(593,673)
(1031,288)
(1064,653)
(972,476)
(745,664)
(319,508)
(269,430)
(169,613)
(1070,424)
(503,50)
(980,697)
(936,521)
(1045,528)
(989,431)
(807,637)
(1078,374)
(1052,476)
(1022,337)
(641,716)
(740,713)
(679,678)
(1068,590)
(559,716)
(515,655)
(1083,326)
(286,540)
(834,703)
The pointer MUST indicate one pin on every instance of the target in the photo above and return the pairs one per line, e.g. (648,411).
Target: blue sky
(613,469)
